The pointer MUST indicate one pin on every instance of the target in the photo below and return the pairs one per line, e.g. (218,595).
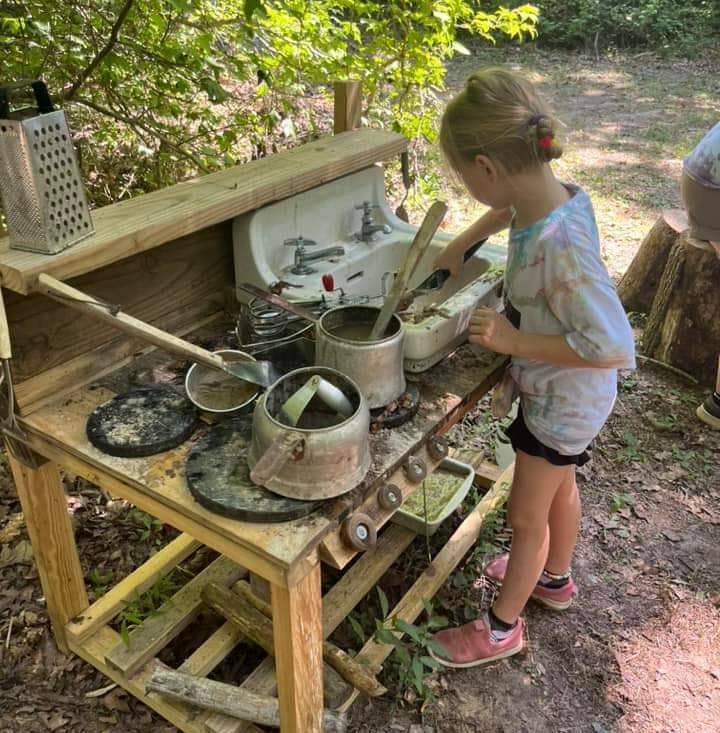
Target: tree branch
(138,124)
(102,53)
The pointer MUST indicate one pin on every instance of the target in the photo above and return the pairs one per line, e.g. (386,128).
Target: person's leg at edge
(709,411)
(536,485)
(499,633)
(564,524)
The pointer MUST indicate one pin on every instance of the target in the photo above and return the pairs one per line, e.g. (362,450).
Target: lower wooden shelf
(131,665)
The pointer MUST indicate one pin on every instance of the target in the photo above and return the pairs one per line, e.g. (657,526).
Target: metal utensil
(417,249)
(297,310)
(257,372)
(292,409)
(14,435)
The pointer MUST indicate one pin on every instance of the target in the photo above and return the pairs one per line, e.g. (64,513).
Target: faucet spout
(322,254)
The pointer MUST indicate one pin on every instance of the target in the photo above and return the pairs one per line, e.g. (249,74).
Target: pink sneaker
(558,599)
(474,644)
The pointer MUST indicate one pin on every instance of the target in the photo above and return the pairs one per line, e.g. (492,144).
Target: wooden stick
(74,298)
(348,106)
(228,699)
(252,615)
(419,245)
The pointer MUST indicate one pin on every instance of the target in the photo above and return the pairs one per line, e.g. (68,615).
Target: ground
(640,650)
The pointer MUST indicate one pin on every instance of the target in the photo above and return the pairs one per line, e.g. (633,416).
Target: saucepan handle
(276,455)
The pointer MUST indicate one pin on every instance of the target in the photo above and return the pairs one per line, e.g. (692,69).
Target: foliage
(660,24)
(147,604)
(160,89)
(412,657)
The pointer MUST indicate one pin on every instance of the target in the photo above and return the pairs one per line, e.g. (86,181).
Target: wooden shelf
(92,638)
(136,225)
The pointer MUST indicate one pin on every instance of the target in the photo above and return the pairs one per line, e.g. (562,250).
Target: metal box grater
(42,194)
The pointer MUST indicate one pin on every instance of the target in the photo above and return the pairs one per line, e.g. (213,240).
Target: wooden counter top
(157,484)
(141,223)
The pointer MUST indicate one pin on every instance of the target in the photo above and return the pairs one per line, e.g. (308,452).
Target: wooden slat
(109,605)
(177,284)
(209,654)
(145,222)
(337,604)
(335,552)
(62,380)
(297,634)
(171,618)
(48,523)
(94,650)
(348,106)
(437,572)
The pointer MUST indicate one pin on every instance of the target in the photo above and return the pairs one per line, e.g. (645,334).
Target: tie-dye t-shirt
(557,282)
(703,164)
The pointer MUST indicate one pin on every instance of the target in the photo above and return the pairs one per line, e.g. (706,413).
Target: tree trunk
(640,282)
(683,327)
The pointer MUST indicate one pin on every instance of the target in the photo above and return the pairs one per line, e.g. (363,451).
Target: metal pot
(324,455)
(213,391)
(376,366)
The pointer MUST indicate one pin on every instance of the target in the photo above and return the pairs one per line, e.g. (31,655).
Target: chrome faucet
(302,256)
(369,229)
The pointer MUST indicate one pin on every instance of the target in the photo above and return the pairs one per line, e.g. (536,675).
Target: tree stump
(640,282)
(683,326)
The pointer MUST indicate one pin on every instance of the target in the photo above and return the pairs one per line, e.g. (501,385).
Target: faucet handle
(366,206)
(299,242)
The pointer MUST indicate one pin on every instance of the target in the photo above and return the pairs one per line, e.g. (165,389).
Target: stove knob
(437,448)
(358,532)
(389,496)
(415,470)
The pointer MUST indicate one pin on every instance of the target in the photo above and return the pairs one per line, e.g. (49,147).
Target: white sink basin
(328,216)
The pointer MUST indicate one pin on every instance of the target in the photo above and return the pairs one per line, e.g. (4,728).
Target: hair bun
(541,131)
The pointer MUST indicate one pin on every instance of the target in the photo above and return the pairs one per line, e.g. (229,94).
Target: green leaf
(124,633)
(418,673)
(412,631)
(252,7)
(431,663)
(385,636)
(357,628)
(384,604)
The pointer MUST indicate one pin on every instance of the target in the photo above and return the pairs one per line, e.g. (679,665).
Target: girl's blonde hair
(499,114)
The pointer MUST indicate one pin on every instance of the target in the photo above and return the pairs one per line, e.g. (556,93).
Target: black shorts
(522,439)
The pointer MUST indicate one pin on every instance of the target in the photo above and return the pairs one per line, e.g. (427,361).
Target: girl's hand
(450,260)
(493,331)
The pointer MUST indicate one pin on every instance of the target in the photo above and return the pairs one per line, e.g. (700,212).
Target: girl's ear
(487,167)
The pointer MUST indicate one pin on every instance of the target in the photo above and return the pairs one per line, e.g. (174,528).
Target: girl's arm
(493,331)
(492,222)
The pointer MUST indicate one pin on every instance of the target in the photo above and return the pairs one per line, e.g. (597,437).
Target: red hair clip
(545,142)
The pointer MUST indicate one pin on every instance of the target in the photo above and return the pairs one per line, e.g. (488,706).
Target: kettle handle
(276,455)
(40,90)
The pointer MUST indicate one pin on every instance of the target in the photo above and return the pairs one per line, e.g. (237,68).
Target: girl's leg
(564,524)
(535,486)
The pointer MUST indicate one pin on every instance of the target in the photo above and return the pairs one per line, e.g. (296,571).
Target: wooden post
(43,502)
(297,630)
(348,105)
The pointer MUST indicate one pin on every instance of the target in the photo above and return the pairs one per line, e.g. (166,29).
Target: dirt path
(640,651)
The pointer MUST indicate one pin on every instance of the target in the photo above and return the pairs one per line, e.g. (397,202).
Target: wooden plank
(333,549)
(178,284)
(211,652)
(94,649)
(157,485)
(55,554)
(142,223)
(348,106)
(109,605)
(62,380)
(172,617)
(297,634)
(359,579)
(437,572)
(362,577)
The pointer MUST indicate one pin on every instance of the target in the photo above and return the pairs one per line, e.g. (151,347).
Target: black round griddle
(219,477)
(401,410)
(143,422)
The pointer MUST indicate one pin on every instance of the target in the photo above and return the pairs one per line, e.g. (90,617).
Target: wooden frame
(188,219)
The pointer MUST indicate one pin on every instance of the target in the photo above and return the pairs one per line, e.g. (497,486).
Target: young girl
(564,329)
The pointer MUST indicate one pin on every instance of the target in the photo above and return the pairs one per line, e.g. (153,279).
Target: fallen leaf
(56,722)
(639,512)
(12,529)
(671,535)
(116,701)
(20,554)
